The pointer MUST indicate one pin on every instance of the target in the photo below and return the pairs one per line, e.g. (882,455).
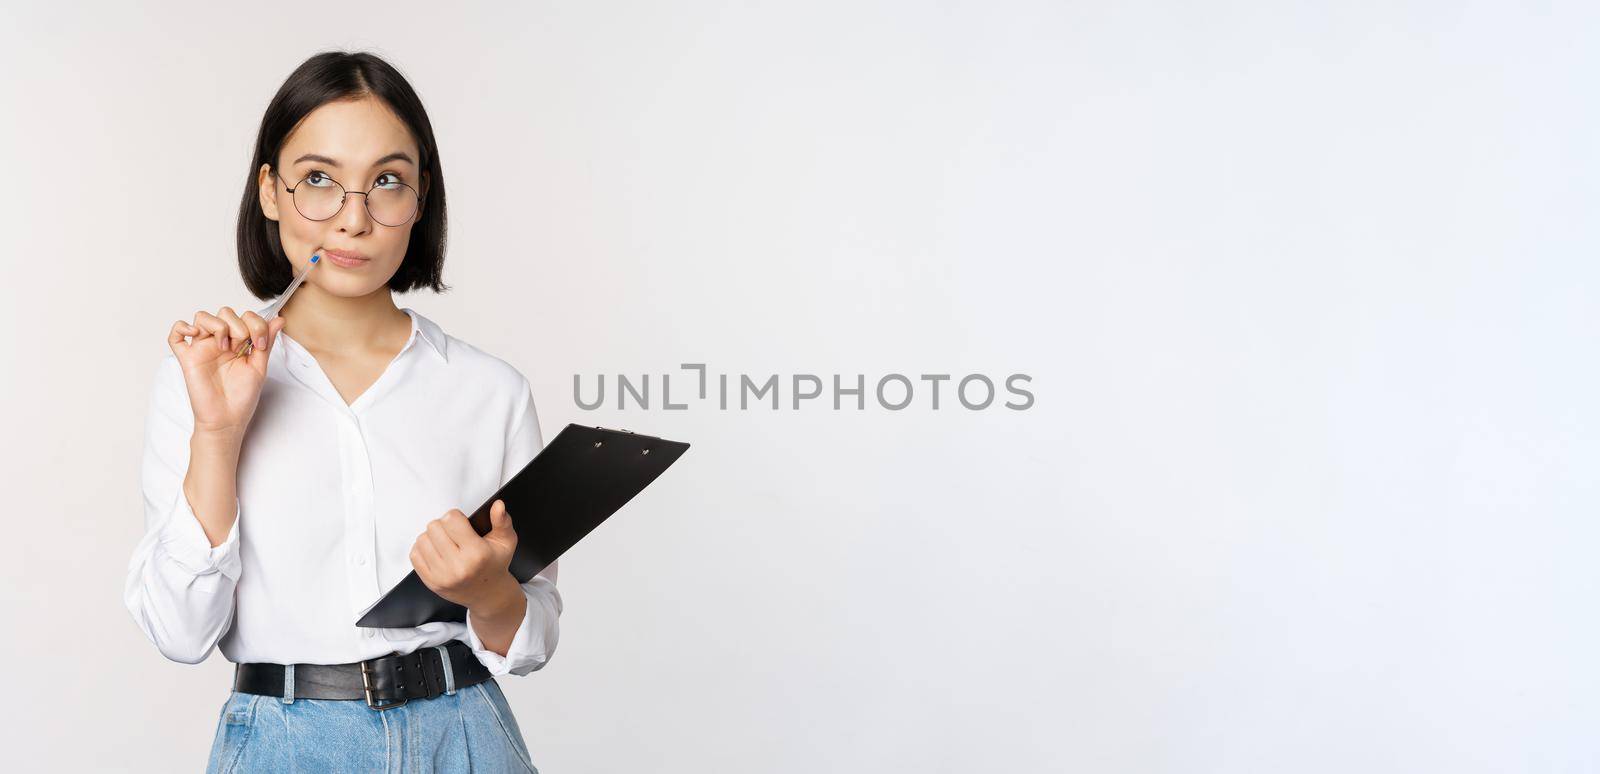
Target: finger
(459,529)
(237,331)
(419,561)
(429,552)
(444,543)
(176,334)
(444,557)
(256,328)
(209,325)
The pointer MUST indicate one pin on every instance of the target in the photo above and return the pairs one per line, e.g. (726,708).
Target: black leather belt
(384,682)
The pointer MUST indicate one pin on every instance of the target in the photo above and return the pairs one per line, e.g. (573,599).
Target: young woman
(288,488)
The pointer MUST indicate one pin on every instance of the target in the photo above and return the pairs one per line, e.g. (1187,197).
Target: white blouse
(331,498)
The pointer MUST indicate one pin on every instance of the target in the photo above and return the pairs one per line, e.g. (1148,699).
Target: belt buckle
(366,684)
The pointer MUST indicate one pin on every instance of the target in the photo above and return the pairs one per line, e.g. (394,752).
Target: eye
(388,181)
(318,179)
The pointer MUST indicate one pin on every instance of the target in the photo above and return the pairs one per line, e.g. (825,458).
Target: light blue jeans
(470,730)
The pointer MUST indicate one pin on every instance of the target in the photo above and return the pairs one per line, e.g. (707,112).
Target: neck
(323,322)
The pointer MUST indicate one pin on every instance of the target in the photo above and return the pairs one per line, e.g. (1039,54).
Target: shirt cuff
(185,541)
(535,640)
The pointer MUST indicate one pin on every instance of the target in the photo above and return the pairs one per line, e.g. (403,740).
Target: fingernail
(261,342)
(224,341)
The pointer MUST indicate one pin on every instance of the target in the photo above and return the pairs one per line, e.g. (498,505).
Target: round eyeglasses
(319,197)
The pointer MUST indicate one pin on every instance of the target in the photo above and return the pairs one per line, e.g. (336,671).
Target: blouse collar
(430,332)
(420,326)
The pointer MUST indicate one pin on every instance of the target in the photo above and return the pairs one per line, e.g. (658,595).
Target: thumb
(500,527)
(258,357)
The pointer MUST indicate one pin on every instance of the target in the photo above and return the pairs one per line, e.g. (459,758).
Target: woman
(287,488)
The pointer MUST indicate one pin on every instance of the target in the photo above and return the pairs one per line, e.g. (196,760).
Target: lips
(346,258)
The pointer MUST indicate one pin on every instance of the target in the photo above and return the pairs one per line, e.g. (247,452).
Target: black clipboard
(574,483)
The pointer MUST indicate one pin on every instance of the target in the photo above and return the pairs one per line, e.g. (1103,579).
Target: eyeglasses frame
(343,198)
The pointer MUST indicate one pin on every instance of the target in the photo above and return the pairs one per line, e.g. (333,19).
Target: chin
(348,286)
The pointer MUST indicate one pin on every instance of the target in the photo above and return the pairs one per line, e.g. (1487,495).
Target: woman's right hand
(223,387)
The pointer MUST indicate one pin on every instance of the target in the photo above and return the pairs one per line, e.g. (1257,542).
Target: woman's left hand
(462,566)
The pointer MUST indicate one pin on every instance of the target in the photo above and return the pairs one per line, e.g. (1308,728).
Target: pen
(272,311)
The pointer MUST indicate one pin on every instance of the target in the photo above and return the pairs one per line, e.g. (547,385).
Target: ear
(267,185)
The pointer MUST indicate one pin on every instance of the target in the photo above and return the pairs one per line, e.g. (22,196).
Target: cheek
(388,246)
(394,242)
(298,234)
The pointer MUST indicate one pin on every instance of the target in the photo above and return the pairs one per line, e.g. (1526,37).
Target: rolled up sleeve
(536,637)
(179,588)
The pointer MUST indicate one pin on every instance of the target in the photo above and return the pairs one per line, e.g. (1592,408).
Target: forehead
(353,132)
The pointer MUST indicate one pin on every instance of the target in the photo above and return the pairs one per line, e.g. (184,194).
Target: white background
(1306,291)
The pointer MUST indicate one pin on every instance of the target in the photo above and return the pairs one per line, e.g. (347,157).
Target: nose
(353,217)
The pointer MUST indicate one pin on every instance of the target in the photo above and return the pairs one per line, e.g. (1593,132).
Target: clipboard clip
(629,432)
(645,450)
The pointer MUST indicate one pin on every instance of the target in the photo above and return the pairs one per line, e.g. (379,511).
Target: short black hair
(328,77)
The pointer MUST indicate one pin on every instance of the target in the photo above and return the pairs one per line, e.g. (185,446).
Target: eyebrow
(321,159)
